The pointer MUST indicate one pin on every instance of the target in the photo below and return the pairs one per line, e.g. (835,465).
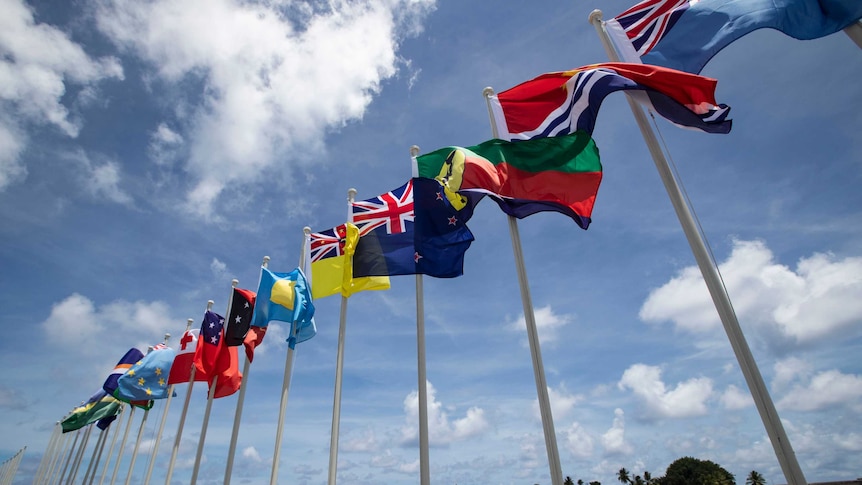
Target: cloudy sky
(151,151)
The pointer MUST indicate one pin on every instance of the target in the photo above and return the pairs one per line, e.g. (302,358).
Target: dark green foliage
(692,471)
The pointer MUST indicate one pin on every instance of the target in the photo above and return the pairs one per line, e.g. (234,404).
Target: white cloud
(165,144)
(76,322)
(578,441)
(366,442)
(817,300)
(561,402)
(548,324)
(36,63)
(789,370)
(614,439)
(735,398)
(825,389)
(441,431)
(686,399)
(101,178)
(218,268)
(273,85)
(250,453)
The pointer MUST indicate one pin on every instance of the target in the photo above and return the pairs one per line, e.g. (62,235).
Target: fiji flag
(685,34)
(285,297)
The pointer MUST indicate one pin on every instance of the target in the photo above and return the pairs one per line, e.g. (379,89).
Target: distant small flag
(241,310)
(126,362)
(148,378)
(214,358)
(105,422)
(181,369)
(99,405)
(285,297)
(253,338)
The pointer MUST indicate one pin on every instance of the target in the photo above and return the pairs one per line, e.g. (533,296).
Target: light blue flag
(147,379)
(684,35)
(285,297)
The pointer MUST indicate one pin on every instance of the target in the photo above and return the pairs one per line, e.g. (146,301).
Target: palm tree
(568,481)
(623,476)
(755,478)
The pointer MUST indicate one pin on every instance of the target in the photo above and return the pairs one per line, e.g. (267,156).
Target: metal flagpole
(122,445)
(72,450)
(179,436)
(288,371)
(99,442)
(709,270)
(80,455)
(854,31)
(48,455)
(92,476)
(116,426)
(421,377)
(161,425)
(210,397)
(52,472)
(532,336)
(137,445)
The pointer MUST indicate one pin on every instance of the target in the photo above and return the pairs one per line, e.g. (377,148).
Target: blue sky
(152,151)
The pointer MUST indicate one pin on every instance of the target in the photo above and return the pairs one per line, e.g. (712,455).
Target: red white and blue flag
(184,361)
(646,23)
(329,243)
(392,210)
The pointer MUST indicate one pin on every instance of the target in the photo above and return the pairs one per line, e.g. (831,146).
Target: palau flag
(286,298)
(684,35)
(558,174)
(560,103)
(418,228)
(148,378)
(99,405)
(331,259)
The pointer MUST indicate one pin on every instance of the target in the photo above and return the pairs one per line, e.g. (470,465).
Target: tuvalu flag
(558,174)
(331,258)
(148,378)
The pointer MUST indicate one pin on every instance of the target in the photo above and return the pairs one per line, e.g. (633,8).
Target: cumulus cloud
(76,321)
(578,441)
(101,177)
(37,62)
(274,81)
(165,144)
(561,402)
(816,300)
(614,439)
(825,389)
(367,441)
(218,268)
(736,398)
(441,430)
(686,399)
(548,324)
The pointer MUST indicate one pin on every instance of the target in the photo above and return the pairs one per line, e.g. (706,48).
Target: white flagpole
(288,371)
(339,366)
(79,457)
(179,436)
(122,445)
(72,451)
(116,426)
(161,426)
(55,465)
(99,442)
(532,336)
(92,476)
(854,31)
(210,397)
(709,270)
(48,455)
(137,446)
(422,379)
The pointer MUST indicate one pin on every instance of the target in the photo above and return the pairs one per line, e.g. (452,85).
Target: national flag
(241,310)
(99,405)
(215,359)
(684,35)
(132,357)
(560,103)
(418,228)
(181,369)
(105,422)
(285,297)
(148,378)
(559,174)
(253,338)
(331,257)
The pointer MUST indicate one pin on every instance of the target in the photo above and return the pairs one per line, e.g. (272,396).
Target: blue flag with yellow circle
(285,297)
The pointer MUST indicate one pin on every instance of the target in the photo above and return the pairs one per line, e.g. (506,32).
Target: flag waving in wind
(99,405)
(286,298)
(181,369)
(148,378)
(215,359)
(331,257)
(241,309)
(684,35)
(560,103)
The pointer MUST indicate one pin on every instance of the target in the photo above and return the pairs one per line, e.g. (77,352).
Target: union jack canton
(394,210)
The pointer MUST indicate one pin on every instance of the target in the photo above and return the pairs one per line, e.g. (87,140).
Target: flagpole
(339,366)
(161,426)
(854,31)
(179,436)
(123,445)
(48,455)
(72,451)
(99,441)
(532,336)
(421,377)
(206,420)
(79,457)
(137,445)
(116,426)
(92,477)
(288,371)
(55,464)
(709,270)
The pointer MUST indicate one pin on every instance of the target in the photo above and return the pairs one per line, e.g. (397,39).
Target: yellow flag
(332,272)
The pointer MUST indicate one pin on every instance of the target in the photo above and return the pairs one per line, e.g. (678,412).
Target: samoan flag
(686,34)
(414,229)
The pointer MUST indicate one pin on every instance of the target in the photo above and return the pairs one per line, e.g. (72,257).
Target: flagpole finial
(210,304)
(595,15)
(414,150)
(306,230)
(167,337)
(189,323)
(489,91)
(351,194)
(234,282)
(265,262)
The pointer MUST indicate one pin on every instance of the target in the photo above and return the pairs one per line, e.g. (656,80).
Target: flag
(99,405)
(418,228)
(241,310)
(131,357)
(148,378)
(559,174)
(684,35)
(331,256)
(285,297)
(105,422)
(253,338)
(560,103)
(181,369)
(215,359)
